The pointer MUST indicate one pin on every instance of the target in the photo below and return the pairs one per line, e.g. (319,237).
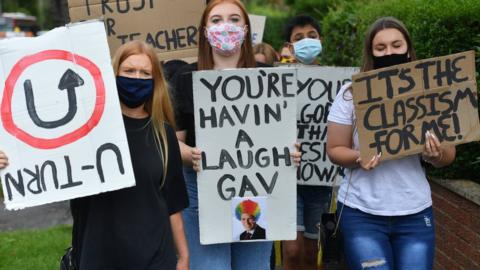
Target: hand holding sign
(196,159)
(396,106)
(3,160)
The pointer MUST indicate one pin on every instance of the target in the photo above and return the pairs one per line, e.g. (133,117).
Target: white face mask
(226,38)
(307,49)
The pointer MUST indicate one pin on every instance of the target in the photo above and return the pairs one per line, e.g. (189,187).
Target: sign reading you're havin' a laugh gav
(246,128)
(61,124)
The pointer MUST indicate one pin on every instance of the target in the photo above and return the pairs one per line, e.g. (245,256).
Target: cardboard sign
(170,26)
(245,126)
(257,26)
(317,89)
(59,106)
(396,106)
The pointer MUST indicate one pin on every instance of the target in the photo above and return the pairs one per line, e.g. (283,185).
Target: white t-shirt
(393,188)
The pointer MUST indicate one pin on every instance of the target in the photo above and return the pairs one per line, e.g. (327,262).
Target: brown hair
(268,51)
(377,26)
(159,106)
(205,57)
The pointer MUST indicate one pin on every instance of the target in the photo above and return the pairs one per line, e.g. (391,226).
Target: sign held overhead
(169,26)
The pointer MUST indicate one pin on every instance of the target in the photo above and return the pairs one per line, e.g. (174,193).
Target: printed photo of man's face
(248,222)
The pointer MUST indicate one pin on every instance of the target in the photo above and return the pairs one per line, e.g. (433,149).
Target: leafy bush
(438,27)
(276,18)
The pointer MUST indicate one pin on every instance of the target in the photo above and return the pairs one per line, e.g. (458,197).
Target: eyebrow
(230,15)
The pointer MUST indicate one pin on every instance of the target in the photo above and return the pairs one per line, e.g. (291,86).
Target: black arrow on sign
(70,80)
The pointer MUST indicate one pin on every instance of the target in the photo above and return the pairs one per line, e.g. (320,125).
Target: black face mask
(390,60)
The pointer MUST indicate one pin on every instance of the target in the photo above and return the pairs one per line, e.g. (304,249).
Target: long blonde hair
(159,107)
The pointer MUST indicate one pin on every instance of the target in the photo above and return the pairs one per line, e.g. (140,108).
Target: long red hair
(205,57)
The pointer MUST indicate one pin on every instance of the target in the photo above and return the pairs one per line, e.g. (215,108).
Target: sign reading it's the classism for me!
(397,105)
(61,124)
(245,125)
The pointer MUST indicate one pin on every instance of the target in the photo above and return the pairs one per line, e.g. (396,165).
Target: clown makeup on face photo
(249,222)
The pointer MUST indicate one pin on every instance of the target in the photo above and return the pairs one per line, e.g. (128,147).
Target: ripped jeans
(388,242)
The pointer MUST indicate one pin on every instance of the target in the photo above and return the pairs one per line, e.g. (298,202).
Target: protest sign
(257,26)
(171,27)
(396,106)
(317,89)
(245,126)
(61,124)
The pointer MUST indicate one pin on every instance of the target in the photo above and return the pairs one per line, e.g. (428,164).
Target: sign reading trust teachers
(61,124)
(245,125)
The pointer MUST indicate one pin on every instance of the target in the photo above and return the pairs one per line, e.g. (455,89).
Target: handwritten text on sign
(245,126)
(317,88)
(395,106)
(169,26)
(59,106)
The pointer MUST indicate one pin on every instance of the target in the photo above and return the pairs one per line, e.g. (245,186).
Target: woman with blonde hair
(132,228)
(136,227)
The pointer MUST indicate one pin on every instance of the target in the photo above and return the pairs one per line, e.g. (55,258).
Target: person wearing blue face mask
(138,227)
(302,33)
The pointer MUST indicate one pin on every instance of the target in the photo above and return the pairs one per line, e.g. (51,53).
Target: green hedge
(438,27)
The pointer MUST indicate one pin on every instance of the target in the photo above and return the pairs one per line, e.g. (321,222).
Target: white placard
(61,122)
(258,27)
(245,125)
(317,89)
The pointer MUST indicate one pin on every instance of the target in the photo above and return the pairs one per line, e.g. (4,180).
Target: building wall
(457,221)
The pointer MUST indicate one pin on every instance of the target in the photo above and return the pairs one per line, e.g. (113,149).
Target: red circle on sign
(17,70)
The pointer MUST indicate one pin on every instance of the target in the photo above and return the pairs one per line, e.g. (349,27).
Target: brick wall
(457,223)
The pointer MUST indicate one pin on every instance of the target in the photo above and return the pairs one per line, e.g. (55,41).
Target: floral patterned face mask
(226,38)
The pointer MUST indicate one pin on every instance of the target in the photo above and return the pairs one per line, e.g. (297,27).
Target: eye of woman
(379,47)
(215,19)
(235,19)
(398,44)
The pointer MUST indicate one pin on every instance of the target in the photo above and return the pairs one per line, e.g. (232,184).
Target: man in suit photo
(248,212)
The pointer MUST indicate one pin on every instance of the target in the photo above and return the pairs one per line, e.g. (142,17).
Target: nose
(389,50)
(137,74)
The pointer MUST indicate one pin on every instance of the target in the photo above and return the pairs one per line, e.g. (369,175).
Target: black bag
(67,262)
(332,241)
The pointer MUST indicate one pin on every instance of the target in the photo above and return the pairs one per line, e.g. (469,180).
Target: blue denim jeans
(312,202)
(235,256)
(388,242)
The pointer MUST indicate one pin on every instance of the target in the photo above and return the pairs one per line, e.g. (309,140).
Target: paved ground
(44,216)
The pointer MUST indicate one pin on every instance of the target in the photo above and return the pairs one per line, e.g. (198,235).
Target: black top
(130,228)
(183,100)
